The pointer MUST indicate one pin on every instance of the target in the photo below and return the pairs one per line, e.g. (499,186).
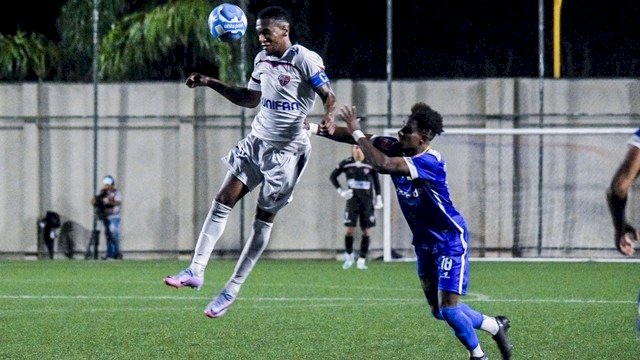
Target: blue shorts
(449,272)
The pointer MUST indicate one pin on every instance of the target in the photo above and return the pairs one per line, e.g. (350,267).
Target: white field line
(356,300)
(538,260)
(556,260)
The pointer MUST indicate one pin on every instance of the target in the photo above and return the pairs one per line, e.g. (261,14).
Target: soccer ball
(227,22)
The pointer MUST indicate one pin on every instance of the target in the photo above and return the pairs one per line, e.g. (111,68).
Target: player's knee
(432,299)
(266,216)
(225,199)
(231,191)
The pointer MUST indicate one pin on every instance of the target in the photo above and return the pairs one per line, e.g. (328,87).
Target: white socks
(211,231)
(490,325)
(477,352)
(257,242)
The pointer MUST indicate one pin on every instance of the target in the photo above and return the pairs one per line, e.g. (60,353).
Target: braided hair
(427,119)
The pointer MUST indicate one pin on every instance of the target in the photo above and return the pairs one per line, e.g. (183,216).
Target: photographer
(107,207)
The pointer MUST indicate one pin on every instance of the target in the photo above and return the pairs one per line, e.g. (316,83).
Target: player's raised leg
(257,242)
(231,191)
(497,326)
(212,229)
(461,325)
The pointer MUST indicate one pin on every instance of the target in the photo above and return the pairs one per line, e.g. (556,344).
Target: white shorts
(254,161)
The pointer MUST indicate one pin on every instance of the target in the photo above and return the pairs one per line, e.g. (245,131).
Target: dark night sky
(467,38)
(31,16)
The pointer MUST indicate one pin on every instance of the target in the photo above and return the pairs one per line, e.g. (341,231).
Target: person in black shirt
(362,185)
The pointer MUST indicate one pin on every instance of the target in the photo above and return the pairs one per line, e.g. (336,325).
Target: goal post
(524,192)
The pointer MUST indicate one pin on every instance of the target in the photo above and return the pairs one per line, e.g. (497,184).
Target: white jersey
(287,84)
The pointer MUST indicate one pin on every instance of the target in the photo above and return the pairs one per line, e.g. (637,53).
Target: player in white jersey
(285,81)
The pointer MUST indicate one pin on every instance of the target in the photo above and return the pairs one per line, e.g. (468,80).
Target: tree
(140,40)
(25,56)
(166,42)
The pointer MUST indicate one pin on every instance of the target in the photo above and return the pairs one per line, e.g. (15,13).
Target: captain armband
(319,79)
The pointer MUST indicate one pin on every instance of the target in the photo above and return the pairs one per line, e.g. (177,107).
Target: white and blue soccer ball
(227,22)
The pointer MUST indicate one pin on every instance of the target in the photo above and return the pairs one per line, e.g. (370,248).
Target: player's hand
(378,204)
(624,242)
(348,114)
(346,194)
(195,80)
(327,126)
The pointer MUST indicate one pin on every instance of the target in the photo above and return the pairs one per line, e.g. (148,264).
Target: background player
(285,80)
(362,184)
(440,235)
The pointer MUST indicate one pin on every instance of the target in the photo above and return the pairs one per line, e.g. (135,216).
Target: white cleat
(219,305)
(348,261)
(362,264)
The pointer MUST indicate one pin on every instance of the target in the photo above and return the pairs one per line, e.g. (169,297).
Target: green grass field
(307,309)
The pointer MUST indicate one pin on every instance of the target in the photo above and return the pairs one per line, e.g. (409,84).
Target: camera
(99,205)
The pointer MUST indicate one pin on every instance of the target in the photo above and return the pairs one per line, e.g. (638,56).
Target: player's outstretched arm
(381,162)
(340,133)
(240,96)
(624,233)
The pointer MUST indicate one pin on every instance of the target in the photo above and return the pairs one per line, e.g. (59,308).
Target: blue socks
(475,317)
(462,324)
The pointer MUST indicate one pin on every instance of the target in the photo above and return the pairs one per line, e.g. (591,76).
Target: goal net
(524,192)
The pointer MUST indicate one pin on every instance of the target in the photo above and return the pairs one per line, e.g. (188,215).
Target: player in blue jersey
(440,235)
(286,80)
(625,235)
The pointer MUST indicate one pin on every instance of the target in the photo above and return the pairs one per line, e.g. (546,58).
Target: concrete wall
(163,143)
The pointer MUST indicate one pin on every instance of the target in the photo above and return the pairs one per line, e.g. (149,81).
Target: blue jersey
(425,202)
(634,140)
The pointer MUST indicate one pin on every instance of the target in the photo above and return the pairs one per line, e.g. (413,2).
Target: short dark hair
(427,119)
(275,12)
